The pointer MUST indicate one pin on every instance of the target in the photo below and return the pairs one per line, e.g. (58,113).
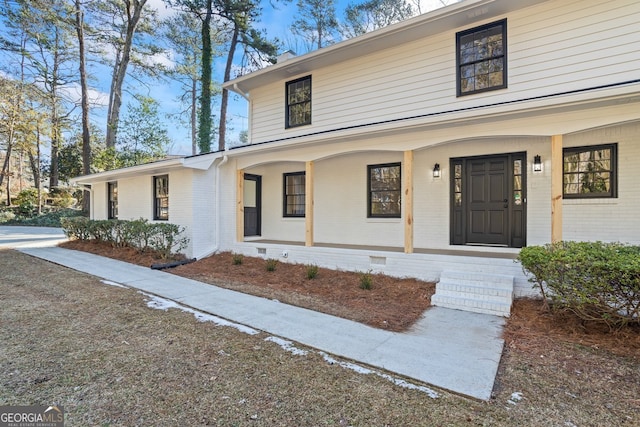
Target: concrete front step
(476,292)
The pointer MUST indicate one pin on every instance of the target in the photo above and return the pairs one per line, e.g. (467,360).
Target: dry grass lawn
(100,351)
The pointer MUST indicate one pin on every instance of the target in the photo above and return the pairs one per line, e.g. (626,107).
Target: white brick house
(444,143)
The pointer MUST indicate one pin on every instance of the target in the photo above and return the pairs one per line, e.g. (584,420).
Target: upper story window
(590,171)
(482,58)
(385,188)
(161,197)
(294,194)
(112,200)
(299,102)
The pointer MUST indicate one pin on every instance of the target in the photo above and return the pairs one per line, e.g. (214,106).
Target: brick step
(476,292)
(490,295)
(495,308)
(463,278)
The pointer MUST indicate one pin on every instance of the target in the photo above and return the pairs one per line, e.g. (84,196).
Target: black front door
(487,206)
(252,199)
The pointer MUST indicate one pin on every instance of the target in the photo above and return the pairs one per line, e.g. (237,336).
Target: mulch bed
(393,304)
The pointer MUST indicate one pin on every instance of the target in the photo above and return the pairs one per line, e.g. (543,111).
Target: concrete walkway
(455,350)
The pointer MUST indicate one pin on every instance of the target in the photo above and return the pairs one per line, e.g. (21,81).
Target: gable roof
(464,13)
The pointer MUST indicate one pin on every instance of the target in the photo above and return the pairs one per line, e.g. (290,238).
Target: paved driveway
(29,237)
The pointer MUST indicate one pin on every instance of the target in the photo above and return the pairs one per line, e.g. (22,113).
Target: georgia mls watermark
(31,416)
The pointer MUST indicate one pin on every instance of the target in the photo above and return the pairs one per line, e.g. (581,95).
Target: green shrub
(6,216)
(272,264)
(597,281)
(312,271)
(237,259)
(366,280)
(27,201)
(163,238)
(61,197)
(76,227)
(166,238)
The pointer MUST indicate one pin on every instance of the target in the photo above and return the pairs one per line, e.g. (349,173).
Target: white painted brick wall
(608,219)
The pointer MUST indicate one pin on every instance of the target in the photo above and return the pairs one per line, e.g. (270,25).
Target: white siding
(552,48)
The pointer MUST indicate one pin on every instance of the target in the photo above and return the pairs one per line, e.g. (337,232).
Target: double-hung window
(482,58)
(112,200)
(298,102)
(294,194)
(161,197)
(384,190)
(590,171)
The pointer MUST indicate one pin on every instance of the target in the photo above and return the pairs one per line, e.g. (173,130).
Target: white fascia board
(201,161)
(158,167)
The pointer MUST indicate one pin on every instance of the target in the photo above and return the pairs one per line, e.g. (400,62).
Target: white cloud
(74,94)
(164,11)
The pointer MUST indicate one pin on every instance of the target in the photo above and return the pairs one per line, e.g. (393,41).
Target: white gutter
(239,91)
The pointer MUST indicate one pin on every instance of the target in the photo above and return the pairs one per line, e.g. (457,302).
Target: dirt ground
(111,360)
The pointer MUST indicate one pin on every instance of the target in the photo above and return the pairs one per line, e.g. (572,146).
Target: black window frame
(290,105)
(370,191)
(112,200)
(502,57)
(158,208)
(612,193)
(287,197)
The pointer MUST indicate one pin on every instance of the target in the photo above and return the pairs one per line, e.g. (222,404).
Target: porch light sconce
(436,170)
(537,164)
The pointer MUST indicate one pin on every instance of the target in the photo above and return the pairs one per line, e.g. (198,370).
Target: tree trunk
(35,168)
(222,128)
(204,132)
(6,170)
(194,116)
(120,71)
(86,137)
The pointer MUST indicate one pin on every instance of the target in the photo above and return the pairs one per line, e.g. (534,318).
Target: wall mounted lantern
(537,164)
(436,170)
